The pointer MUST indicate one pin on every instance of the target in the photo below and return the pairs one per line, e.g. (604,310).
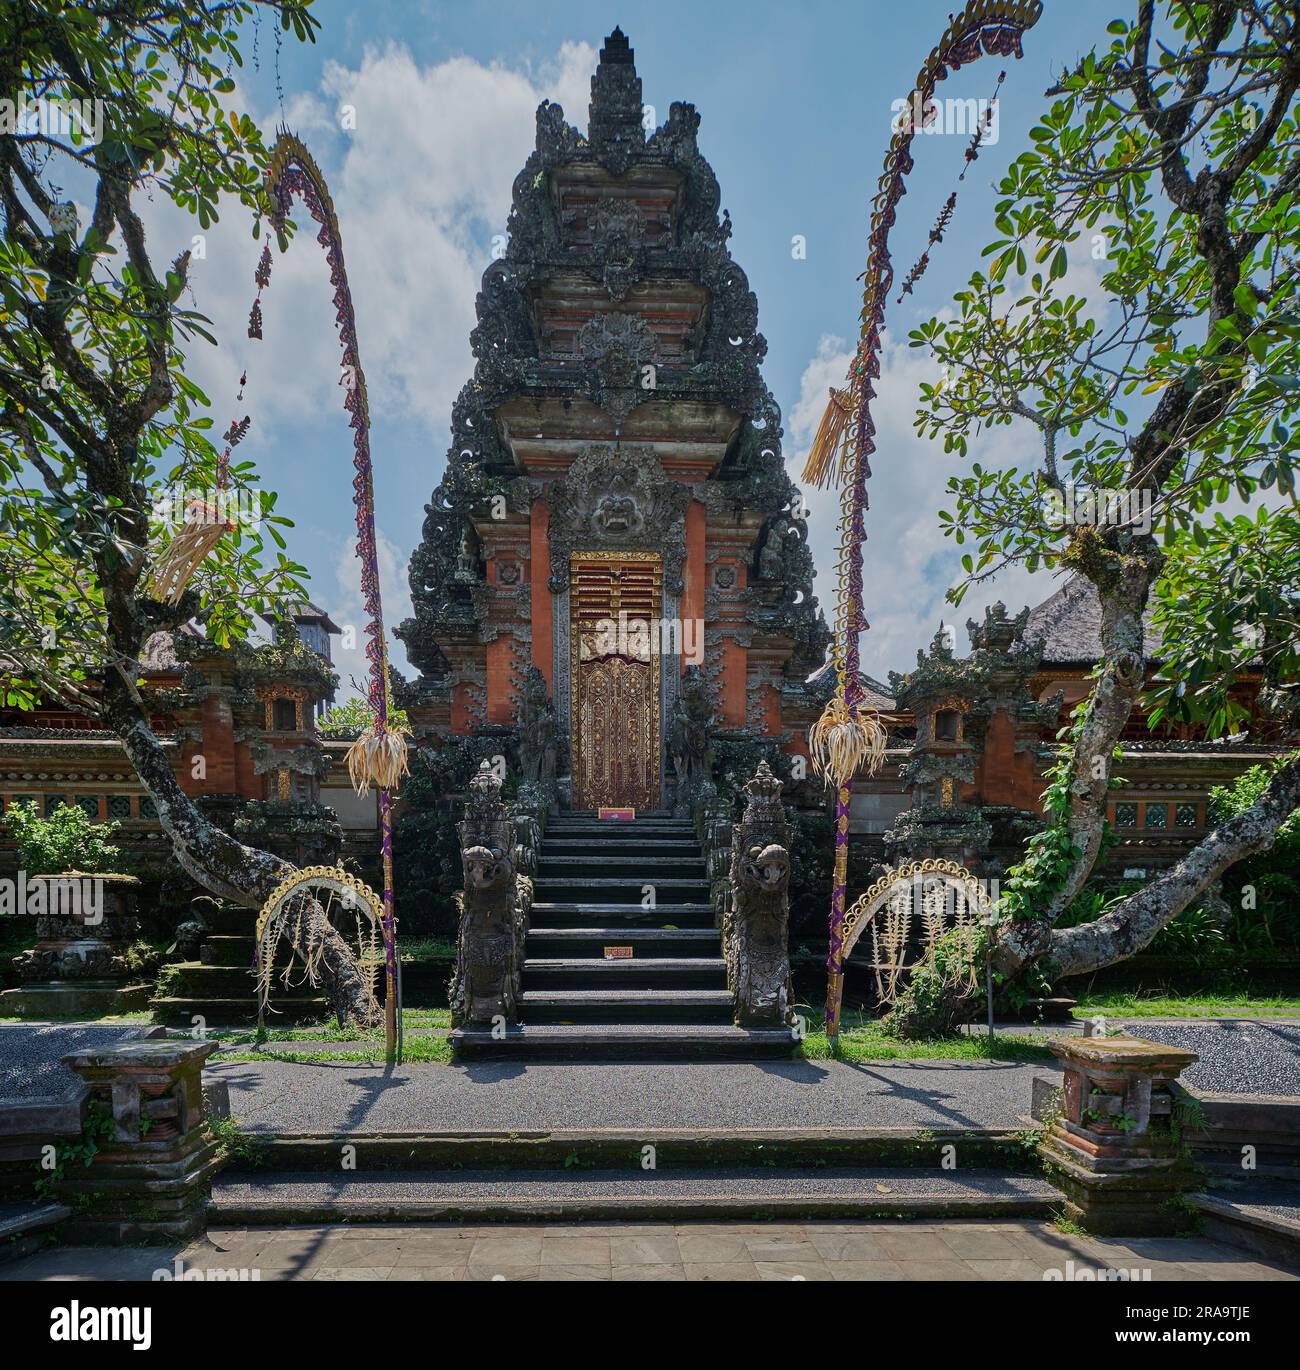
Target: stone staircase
(699,1174)
(669,997)
(220,987)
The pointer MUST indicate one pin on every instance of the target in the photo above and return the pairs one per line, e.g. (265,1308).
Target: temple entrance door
(616,602)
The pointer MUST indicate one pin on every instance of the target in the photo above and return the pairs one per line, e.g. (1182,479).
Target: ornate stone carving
(537,747)
(617,498)
(756,930)
(996,678)
(617,346)
(690,243)
(489,949)
(615,130)
(688,739)
(617,233)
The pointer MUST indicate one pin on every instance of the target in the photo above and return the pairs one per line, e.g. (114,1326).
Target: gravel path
(31,1056)
(1238,1055)
(1276,1198)
(405,1188)
(312,1097)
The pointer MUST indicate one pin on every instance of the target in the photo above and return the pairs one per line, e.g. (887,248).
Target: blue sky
(795,102)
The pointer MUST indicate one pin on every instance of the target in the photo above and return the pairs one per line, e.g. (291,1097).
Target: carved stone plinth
(493,905)
(85,924)
(1115,1150)
(756,930)
(151,1178)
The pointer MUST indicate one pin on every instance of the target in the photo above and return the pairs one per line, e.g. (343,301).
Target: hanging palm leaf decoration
(849,738)
(379,756)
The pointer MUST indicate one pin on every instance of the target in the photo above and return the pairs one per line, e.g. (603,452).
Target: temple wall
(1005,775)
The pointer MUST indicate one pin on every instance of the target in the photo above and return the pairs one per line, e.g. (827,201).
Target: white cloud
(420,184)
(347,609)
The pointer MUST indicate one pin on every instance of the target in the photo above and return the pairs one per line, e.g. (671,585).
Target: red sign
(621,815)
(618,953)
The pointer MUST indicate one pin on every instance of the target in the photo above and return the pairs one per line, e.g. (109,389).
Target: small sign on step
(618,953)
(618,815)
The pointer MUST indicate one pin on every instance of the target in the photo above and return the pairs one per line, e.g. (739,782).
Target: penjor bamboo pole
(392,1008)
(845,441)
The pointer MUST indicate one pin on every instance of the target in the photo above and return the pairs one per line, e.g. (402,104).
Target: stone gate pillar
(150,1177)
(1116,1149)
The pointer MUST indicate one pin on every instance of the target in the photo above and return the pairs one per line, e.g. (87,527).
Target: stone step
(613,845)
(1259,1213)
(611,1006)
(575,914)
(27,1225)
(584,942)
(618,1149)
(629,867)
(620,890)
(646,972)
(636,1195)
(180,1011)
(214,981)
(620,831)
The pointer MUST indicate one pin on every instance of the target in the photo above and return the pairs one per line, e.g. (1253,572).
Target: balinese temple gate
(615,510)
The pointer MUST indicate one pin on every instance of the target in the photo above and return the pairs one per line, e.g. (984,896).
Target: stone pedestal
(1115,1151)
(78,968)
(151,1179)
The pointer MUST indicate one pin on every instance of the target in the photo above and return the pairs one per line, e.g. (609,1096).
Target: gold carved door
(615,611)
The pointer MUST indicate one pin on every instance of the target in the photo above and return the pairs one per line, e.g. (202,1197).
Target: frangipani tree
(110,102)
(1167,166)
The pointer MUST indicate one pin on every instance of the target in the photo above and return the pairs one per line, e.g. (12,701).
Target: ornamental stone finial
(484,788)
(763,790)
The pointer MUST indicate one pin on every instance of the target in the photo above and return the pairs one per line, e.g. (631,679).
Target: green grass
(1155,1005)
(863,1039)
(415,1050)
(429,949)
(425,1040)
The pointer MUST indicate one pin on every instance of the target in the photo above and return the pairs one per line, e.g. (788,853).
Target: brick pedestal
(1113,1151)
(151,1180)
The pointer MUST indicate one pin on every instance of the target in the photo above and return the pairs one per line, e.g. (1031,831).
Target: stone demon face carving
(618,515)
(768,868)
(485,869)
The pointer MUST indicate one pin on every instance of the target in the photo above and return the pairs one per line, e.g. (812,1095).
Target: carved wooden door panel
(616,601)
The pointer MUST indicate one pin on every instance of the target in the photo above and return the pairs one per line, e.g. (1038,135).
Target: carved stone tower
(615,508)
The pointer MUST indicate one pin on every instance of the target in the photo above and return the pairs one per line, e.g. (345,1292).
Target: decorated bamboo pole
(850,736)
(378,756)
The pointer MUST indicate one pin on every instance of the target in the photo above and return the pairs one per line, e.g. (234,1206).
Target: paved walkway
(278,1096)
(700,1251)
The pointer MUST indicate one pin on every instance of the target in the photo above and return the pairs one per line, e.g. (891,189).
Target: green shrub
(66,841)
(1263,890)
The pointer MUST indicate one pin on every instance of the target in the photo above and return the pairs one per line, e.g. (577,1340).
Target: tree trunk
(223,865)
(1126,929)
(1132,925)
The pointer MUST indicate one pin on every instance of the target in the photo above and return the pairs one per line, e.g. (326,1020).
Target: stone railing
(711,816)
(748,868)
(499,844)
(1115,1149)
